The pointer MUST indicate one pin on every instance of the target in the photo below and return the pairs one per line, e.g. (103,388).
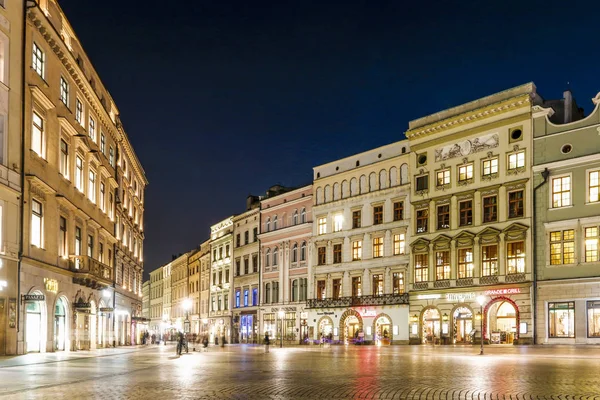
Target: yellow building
(81,272)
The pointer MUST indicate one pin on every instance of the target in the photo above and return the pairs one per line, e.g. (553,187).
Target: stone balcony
(90,272)
(355,301)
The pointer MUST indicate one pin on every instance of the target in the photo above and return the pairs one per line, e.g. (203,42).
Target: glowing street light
(187,305)
(481,300)
(281,315)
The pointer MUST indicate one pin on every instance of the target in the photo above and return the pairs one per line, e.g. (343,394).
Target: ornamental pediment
(420,245)
(465,238)
(489,232)
(515,231)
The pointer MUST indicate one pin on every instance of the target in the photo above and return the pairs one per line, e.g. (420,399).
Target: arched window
(303,252)
(295,218)
(268,258)
(295,253)
(303,216)
(268,225)
(268,293)
(295,290)
(275,256)
(275,223)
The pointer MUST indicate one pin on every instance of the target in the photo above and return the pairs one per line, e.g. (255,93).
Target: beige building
(11,73)
(246,274)
(219,320)
(359,253)
(166,303)
(471,221)
(180,303)
(156,301)
(194,264)
(83,200)
(205,267)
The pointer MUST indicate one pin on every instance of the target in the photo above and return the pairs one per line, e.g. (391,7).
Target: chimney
(568,104)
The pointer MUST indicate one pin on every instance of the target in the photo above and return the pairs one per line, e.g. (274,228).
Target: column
(476,258)
(366,283)
(501,256)
(388,245)
(367,246)
(453,260)
(431,263)
(346,285)
(346,250)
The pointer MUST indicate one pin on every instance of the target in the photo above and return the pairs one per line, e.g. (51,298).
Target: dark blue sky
(225,98)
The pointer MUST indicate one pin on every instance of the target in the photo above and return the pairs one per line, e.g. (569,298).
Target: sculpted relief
(466,147)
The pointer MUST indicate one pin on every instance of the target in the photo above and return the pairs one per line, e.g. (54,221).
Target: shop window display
(561,320)
(593,310)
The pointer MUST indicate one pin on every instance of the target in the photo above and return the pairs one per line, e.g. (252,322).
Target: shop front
(219,329)
(456,317)
(35,322)
(61,325)
(248,328)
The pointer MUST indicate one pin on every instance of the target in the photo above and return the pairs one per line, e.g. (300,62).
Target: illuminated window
(594,186)
(377,287)
(337,253)
(466,212)
(465,263)
(39,59)
(64,91)
(320,290)
(78,111)
(356,250)
(92,129)
(515,257)
(102,143)
(377,215)
(322,255)
(322,223)
(421,268)
(443,217)
(490,166)
(465,172)
(516,160)
(64,159)
(490,209)
(422,220)
(337,222)
(79,173)
(397,283)
(398,211)
(561,320)
(561,191)
(562,247)
(591,244)
(593,310)
(337,288)
(92,186)
(377,247)
(37,218)
(442,265)
(37,134)
(515,204)
(399,244)
(443,177)
(489,260)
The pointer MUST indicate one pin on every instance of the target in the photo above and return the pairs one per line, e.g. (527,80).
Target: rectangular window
(111,156)
(37,134)
(421,268)
(238,240)
(356,219)
(79,173)
(237,299)
(516,160)
(594,186)
(64,158)
(64,91)
(110,205)
(399,244)
(337,288)
(320,290)
(92,129)
(490,166)
(422,220)
(101,252)
(237,267)
(490,209)
(92,186)
(591,244)
(515,204)
(255,263)
(62,238)
(78,244)
(246,266)
(38,61)
(593,310)
(465,263)
(255,235)
(356,250)
(337,253)
(398,211)
(246,293)
(322,226)
(377,215)
(422,182)
(322,255)
(356,286)
(443,177)
(443,217)
(337,222)
(465,172)
(102,196)
(442,265)
(377,288)
(561,192)
(489,260)
(78,111)
(515,257)
(246,237)
(102,143)
(561,320)
(397,283)
(466,212)
(377,247)
(562,247)
(37,216)
(90,248)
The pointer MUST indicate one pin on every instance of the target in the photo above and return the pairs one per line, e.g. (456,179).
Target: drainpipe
(545,175)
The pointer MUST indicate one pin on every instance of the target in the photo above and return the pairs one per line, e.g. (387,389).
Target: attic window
(318,175)
(566,149)
(379,156)
(403,150)
(358,163)
(337,168)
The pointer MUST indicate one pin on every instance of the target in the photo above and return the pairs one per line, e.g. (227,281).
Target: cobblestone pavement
(239,372)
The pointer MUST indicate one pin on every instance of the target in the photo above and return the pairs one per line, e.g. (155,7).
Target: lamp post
(281,315)
(481,300)
(187,305)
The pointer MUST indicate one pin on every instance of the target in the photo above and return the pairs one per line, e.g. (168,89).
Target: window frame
(516,256)
(442,217)
(468,166)
(422,221)
(493,270)
(424,178)
(399,240)
(588,240)
(421,268)
(511,202)
(356,250)
(321,255)
(560,244)
(517,165)
(322,225)
(78,111)
(38,63)
(465,268)
(378,247)
(489,206)
(64,91)
(589,186)
(442,265)
(356,219)
(493,169)
(552,327)
(38,129)
(37,216)
(569,191)
(398,210)
(337,253)
(64,158)
(465,213)
(446,179)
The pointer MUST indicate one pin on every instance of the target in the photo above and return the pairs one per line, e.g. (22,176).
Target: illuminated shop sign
(494,292)
(367,313)
(460,296)
(51,285)
(429,296)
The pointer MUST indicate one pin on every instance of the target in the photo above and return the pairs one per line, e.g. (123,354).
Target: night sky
(224,98)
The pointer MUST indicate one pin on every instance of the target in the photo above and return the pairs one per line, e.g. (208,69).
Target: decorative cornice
(41,98)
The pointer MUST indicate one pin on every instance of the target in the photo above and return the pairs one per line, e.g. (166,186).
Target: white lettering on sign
(429,296)
(368,313)
(493,292)
(459,296)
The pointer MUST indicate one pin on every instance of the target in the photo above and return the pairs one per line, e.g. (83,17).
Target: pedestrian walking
(267,342)
(205,342)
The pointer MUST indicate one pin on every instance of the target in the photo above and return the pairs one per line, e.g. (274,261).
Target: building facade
(359,248)
(11,76)
(205,267)
(156,301)
(82,237)
(471,221)
(180,302)
(146,300)
(220,321)
(285,230)
(246,276)
(567,206)
(194,289)
(168,322)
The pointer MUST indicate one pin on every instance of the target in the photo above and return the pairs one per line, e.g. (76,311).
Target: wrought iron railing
(441,284)
(488,280)
(519,277)
(88,265)
(464,282)
(354,301)
(420,285)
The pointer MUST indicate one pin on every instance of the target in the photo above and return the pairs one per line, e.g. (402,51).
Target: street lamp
(281,315)
(481,300)
(187,305)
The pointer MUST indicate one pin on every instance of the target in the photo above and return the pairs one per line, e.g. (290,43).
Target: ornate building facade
(156,301)
(180,301)
(359,248)
(221,244)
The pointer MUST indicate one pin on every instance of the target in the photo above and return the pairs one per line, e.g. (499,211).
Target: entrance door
(431,325)
(351,328)
(33,325)
(59,326)
(383,331)
(502,323)
(463,325)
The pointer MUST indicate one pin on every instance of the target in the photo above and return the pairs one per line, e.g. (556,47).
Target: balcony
(355,301)
(90,273)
